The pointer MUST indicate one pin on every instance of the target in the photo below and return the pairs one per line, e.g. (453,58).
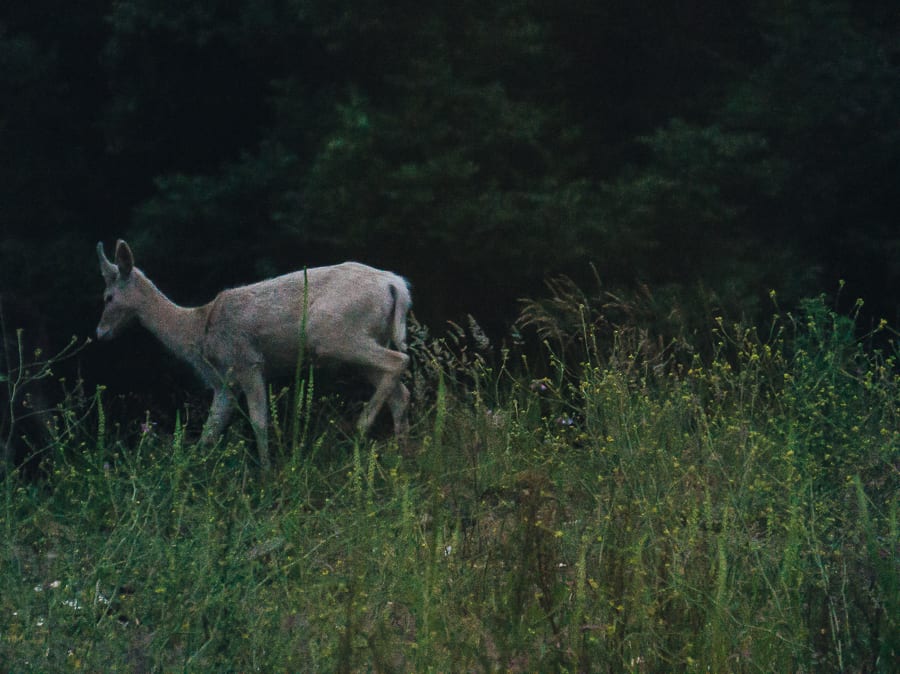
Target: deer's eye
(107,298)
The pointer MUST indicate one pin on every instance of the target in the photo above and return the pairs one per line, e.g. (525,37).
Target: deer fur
(353,313)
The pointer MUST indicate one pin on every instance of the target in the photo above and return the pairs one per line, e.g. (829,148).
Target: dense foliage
(641,509)
(475,147)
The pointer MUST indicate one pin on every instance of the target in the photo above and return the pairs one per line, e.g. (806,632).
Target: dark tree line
(474,147)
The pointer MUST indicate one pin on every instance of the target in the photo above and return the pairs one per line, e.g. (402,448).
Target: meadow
(716,500)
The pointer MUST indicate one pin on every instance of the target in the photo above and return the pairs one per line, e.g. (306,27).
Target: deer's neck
(180,329)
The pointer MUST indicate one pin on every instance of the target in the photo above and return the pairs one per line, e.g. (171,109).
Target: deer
(349,313)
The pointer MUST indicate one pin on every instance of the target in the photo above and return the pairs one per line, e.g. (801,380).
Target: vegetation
(622,503)
(476,146)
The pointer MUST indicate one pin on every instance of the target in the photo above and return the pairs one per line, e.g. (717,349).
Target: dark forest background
(475,147)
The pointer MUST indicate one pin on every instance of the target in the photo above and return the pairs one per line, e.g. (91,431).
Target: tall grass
(626,505)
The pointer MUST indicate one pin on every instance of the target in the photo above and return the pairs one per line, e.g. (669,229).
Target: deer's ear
(124,258)
(107,268)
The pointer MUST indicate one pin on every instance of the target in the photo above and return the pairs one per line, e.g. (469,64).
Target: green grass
(635,510)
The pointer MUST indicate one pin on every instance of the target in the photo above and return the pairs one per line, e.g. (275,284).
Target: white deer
(347,312)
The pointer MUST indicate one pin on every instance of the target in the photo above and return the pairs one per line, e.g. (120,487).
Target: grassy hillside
(725,502)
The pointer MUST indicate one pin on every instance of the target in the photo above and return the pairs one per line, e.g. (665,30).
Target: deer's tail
(402,302)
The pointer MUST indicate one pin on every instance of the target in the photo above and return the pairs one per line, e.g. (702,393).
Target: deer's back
(263,323)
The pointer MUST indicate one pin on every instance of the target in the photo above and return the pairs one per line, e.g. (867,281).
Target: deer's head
(122,297)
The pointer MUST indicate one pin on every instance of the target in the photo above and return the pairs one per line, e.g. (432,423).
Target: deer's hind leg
(384,367)
(399,404)
(397,400)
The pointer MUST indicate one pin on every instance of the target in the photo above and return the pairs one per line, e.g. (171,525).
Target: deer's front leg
(219,414)
(254,387)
